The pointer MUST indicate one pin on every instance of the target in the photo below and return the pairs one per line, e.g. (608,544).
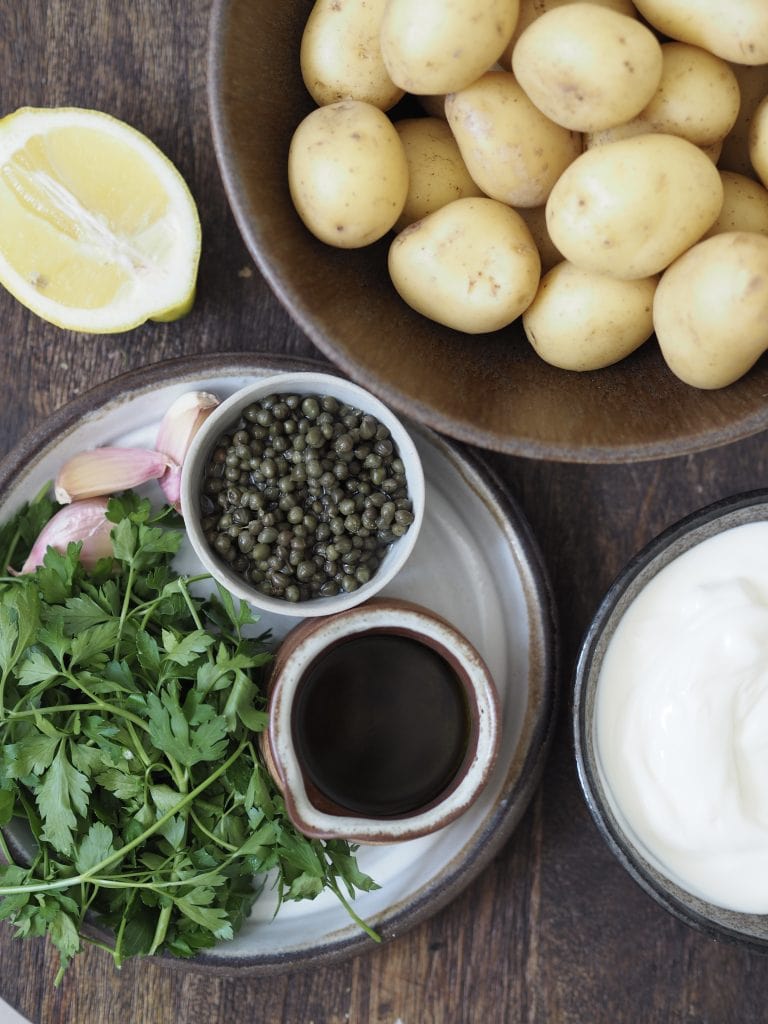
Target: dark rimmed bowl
(488,390)
(747,929)
(527,645)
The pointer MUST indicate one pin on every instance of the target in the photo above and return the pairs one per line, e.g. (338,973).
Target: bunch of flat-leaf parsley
(129,714)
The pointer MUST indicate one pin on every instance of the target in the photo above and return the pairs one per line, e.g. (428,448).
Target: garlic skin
(84,521)
(103,471)
(177,429)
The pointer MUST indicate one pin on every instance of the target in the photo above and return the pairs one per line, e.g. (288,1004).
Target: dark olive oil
(381,724)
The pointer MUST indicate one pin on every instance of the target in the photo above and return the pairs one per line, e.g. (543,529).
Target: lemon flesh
(98,230)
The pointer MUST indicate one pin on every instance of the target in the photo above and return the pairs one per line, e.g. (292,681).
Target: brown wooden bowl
(489,390)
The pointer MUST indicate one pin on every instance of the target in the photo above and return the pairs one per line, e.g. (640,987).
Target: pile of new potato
(624,159)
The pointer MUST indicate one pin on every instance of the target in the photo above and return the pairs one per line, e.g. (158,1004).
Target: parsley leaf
(63,791)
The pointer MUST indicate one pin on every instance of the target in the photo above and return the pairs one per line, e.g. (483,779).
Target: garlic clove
(182,421)
(170,482)
(106,471)
(84,521)
(177,429)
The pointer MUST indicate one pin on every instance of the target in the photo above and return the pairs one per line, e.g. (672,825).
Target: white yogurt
(682,719)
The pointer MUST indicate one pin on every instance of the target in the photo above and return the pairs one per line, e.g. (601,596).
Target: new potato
(637,126)
(745,206)
(588,67)
(340,54)
(758,141)
(753,87)
(736,30)
(629,208)
(471,265)
(697,98)
(580,320)
(436,172)
(513,151)
(530,10)
(710,312)
(347,173)
(437,46)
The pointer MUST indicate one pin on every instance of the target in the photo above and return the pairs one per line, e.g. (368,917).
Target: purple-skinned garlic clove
(177,430)
(84,521)
(102,471)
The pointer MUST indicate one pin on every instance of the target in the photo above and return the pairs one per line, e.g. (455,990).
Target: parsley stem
(161,928)
(99,706)
(124,610)
(214,839)
(355,917)
(143,756)
(107,883)
(99,945)
(193,612)
(117,952)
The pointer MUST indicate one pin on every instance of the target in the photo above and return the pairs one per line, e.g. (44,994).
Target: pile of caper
(303,495)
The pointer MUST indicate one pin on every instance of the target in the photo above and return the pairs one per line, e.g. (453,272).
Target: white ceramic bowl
(640,859)
(316,813)
(227,414)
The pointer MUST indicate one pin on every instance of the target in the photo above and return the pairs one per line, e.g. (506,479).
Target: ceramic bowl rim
(680,536)
(301,381)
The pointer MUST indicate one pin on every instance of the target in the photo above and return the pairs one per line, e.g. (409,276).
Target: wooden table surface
(553,930)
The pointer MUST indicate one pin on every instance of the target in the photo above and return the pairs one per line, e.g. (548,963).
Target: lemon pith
(98,230)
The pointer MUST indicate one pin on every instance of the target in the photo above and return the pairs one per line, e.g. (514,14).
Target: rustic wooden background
(553,931)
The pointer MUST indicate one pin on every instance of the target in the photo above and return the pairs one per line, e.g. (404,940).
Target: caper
(245,541)
(352,523)
(310,407)
(315,437)
(241,517)
(305,571)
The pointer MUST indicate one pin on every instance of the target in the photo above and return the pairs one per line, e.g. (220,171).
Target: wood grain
(554,931)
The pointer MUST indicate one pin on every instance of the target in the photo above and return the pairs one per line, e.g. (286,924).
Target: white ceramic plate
(475,562)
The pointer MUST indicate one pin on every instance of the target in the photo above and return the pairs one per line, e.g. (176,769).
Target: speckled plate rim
(750,506)
(223,133)
(525,768)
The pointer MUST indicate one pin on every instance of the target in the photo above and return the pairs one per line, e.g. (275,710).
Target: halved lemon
(98,230)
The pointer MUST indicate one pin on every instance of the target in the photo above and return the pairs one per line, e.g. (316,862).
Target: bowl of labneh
(671,719)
